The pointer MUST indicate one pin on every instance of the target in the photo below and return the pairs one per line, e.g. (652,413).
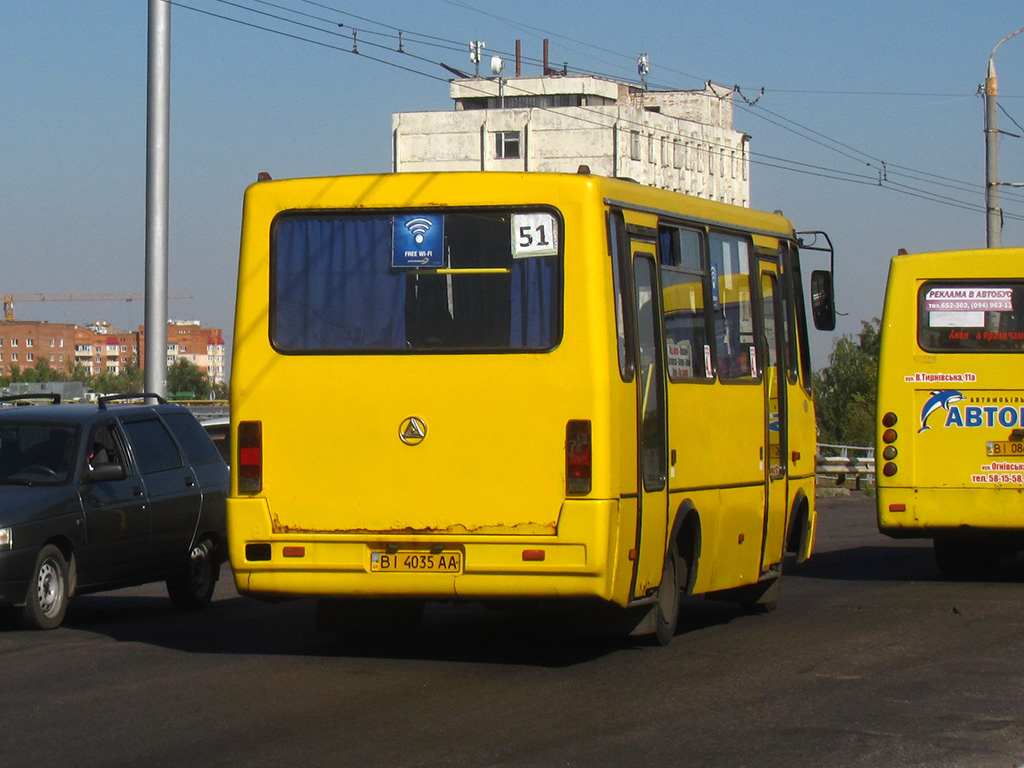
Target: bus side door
(775,428)
(651,420)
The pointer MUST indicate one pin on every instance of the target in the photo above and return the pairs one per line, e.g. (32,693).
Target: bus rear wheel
(673,575)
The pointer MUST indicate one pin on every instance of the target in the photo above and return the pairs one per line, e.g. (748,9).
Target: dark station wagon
(107,495)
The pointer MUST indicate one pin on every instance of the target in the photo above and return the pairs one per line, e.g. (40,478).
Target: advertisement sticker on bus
(417,241)
(954,299)
(679,357)
(940,377)
(990,410)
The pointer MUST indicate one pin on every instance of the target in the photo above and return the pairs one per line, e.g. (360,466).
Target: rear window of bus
(971,316)
(416,281)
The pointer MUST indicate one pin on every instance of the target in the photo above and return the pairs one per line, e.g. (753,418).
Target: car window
(37,454)
(197,444)
(105,447)
(159,452)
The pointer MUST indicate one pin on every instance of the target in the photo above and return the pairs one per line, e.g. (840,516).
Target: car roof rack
(130,396)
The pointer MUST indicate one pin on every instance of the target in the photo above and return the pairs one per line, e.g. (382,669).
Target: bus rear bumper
(930,512)
(576,562)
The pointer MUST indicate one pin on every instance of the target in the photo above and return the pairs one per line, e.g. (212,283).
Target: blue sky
(853,93)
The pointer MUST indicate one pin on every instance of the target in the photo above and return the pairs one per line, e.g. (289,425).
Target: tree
(846,391)
(42,372)
(128,379)
(185,376)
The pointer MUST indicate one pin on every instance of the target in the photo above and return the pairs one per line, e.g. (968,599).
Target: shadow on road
(463,633)
(869,563)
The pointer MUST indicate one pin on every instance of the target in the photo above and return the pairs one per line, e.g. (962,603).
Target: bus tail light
(250,457)
(889,437)
(578,458)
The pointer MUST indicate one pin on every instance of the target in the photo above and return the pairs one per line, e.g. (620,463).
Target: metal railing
(841,461)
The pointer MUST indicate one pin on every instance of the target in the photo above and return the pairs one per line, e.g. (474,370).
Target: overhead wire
(882,169)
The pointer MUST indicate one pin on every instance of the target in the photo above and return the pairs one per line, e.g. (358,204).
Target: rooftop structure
(677,140)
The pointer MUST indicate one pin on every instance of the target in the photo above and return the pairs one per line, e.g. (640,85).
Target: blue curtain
(534,292)
(334,287)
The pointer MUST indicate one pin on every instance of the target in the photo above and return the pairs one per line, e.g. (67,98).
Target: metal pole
(993,215)
(157,163)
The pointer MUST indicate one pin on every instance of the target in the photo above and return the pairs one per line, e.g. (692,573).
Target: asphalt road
(870,660)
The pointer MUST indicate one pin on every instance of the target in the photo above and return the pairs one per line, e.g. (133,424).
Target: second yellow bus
(950,436)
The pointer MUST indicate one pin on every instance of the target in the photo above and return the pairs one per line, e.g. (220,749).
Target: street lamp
(994,215)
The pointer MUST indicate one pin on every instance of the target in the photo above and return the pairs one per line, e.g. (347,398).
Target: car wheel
(192,588)
(48,595)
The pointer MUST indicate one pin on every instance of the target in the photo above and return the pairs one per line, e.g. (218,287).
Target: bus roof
(468,188)
(979,263)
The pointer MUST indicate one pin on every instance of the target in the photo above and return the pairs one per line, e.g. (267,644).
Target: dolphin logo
(941,398)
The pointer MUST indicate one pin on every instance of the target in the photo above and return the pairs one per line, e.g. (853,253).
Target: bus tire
(667,606)
(768,599)
(48,593)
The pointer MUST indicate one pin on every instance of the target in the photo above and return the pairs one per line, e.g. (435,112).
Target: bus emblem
(412,431)
(941,398)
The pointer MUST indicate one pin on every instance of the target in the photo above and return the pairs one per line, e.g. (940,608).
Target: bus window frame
(620,251)
(753,276)
(558,334)
(707,314)
(970,282)
(793,280)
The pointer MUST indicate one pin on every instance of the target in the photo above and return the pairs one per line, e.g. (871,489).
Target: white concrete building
(678,140)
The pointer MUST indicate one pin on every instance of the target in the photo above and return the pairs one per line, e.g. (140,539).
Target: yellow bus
(950,433)
(516,386)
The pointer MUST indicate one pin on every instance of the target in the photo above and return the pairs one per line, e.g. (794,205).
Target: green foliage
(130,379)
(846,391)
(185,376)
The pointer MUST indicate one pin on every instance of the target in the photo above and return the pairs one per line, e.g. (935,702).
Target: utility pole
(158,122)
(993,213)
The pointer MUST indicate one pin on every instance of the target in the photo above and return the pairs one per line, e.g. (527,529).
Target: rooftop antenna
(476,52)
(643,66)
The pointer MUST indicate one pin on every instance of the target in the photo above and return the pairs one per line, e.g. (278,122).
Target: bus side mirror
(823,304)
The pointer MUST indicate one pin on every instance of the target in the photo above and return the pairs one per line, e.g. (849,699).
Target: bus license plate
(416,562)
(1005,448)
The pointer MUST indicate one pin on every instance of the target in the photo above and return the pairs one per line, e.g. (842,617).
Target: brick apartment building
(100,348)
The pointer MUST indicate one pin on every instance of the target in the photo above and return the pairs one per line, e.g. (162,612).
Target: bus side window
(684,291)
(618,248)
(731,303)
(800,348)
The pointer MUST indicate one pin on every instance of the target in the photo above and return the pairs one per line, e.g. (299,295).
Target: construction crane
(9,299)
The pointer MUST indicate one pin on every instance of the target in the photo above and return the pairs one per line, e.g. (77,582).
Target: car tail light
(578,459)
(250,457)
